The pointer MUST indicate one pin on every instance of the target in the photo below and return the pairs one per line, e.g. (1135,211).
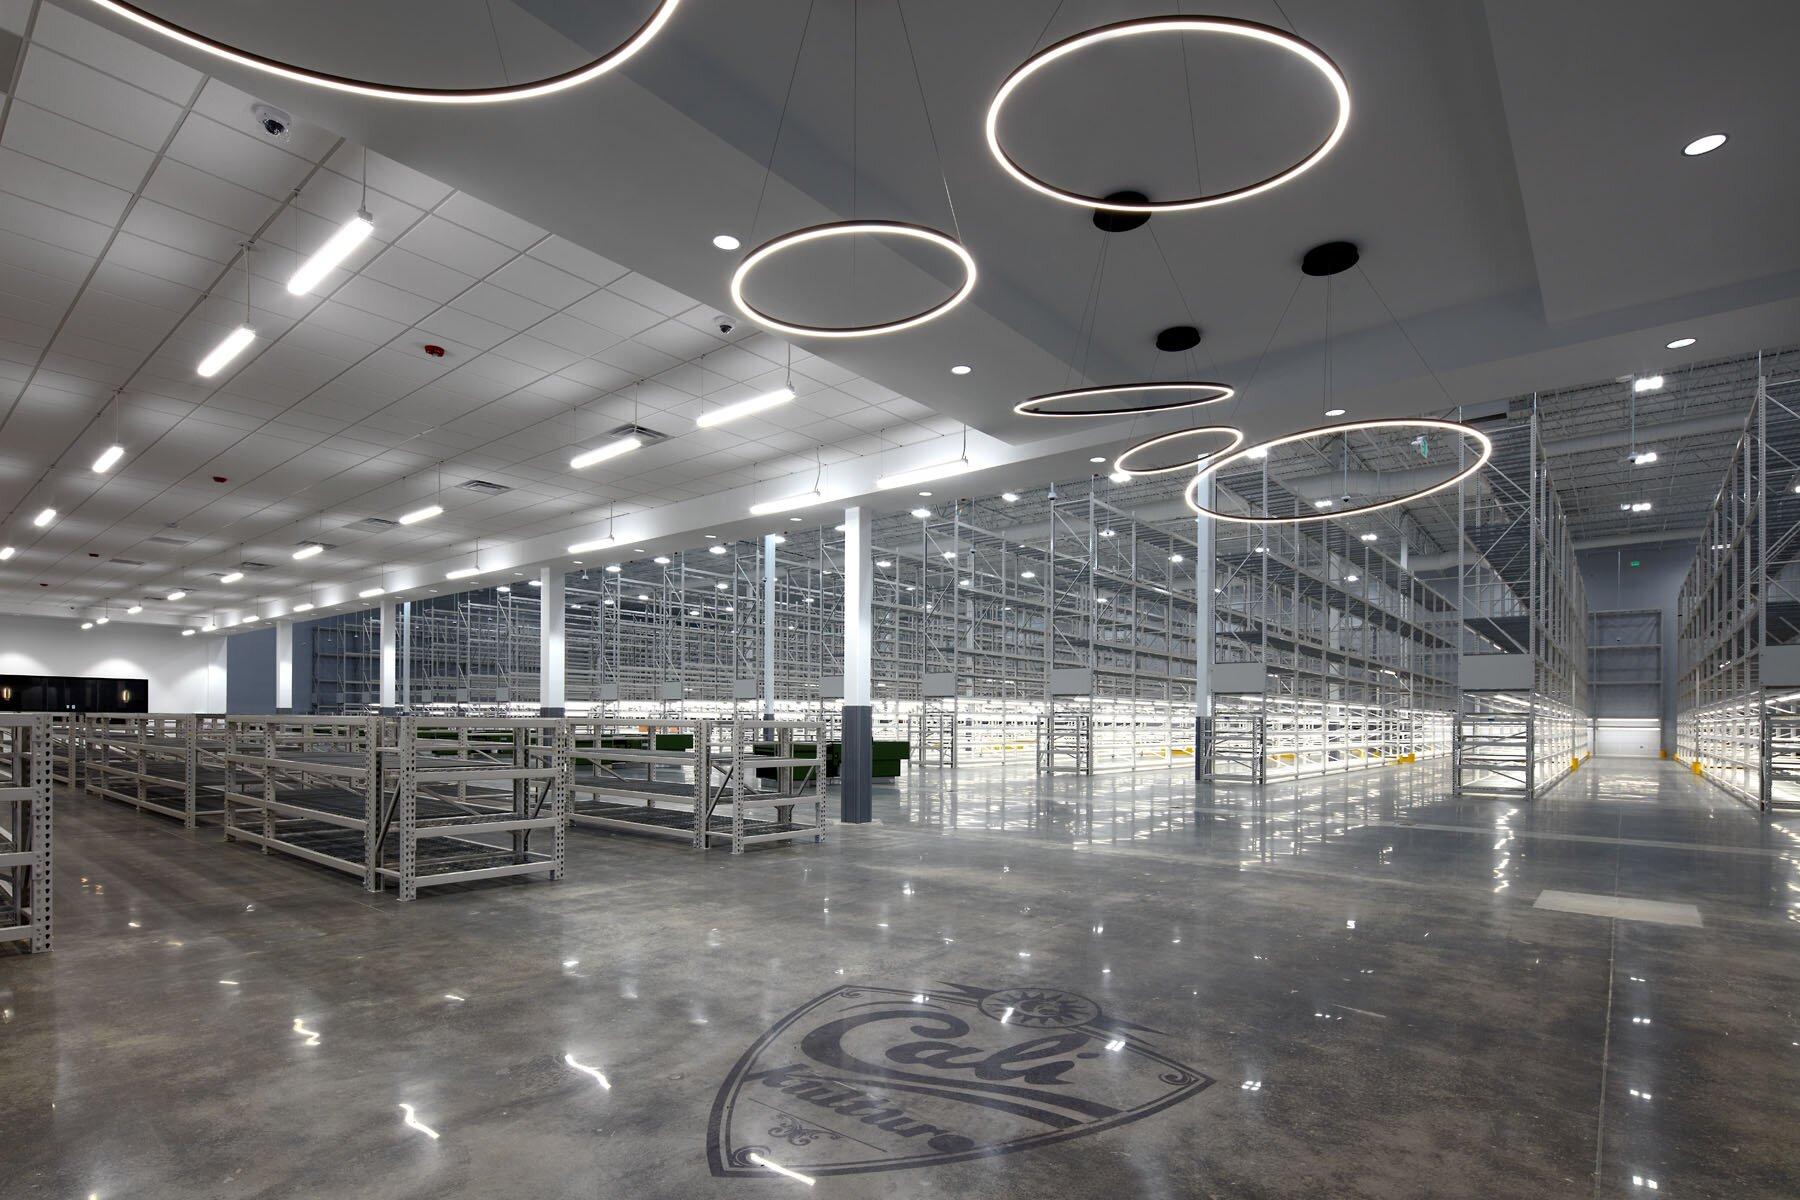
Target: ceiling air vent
(627,429)
(163,539)
(126,562)
(483,486)
(373,524)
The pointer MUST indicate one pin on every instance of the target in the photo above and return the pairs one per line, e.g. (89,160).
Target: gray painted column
(859,714)
(390,638)
(553,663)
(284,666)
(768,626)
(1205,610)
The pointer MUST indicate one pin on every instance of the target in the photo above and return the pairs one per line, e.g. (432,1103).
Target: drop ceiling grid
(216,184)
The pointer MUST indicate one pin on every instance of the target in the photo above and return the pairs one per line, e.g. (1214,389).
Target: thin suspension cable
(781,122)
(930,125)
(1406,335)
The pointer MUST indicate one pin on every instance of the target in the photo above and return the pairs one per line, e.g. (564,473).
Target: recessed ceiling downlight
(839,229)
(1704,145)
(575,77)
(1162,26)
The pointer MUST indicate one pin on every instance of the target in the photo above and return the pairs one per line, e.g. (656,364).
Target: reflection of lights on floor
(413,1122)
(599,1078)
(1643,1182)
(311,1035)
(453,996)
(776,1167)
(1250,1085)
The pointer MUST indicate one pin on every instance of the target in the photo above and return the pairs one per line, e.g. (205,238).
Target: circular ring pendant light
(837,229)
(616,57)
(1219,463)
(1152,26)
(1143,450)
(1192,394)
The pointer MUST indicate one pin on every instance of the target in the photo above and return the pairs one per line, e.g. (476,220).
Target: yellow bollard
(1665,753)
(1574,764)
(1696,766)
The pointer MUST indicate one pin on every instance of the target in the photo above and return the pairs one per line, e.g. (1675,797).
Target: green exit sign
(1634,562)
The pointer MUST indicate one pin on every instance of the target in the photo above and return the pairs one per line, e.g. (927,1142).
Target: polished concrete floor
(1114,987)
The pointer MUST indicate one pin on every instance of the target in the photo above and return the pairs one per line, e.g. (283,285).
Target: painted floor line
(1623,908)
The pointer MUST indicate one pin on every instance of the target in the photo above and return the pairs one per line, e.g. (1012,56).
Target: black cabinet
(67,693)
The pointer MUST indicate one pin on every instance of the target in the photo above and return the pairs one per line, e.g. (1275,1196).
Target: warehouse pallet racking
(415,801)
(25,829)
(164,763)
(1738,718)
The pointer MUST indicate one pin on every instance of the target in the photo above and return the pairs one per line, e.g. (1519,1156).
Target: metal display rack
(775,794)
(415,801)
(641,777)
(1738,699)
(1522,721)
(163,763)
(25,829)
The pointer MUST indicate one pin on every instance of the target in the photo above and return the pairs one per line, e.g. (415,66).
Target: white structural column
(859,646)
(284,666)
(1205,613)
(553,665)
(768,626)
(390,640)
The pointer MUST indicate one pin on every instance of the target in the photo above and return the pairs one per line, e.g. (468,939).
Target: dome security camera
(273,121)
(723,323)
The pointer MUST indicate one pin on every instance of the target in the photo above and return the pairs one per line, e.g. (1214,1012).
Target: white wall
(186,674)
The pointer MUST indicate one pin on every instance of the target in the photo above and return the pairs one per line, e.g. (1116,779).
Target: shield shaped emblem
(880,1079)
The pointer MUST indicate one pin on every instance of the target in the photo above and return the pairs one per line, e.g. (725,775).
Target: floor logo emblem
(879,1079)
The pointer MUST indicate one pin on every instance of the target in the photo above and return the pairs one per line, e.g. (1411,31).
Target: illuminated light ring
(813,233)
(1305,51)
(1218,464)
(1034,407)
(616,57)
(1120,463)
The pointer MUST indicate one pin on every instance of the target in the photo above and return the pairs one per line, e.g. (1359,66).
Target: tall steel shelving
(25,830)
(1522,722)
(167,763)
(1738,692)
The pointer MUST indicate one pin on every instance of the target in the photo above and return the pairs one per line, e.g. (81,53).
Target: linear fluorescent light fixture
(763,508)
(584,547)
(374,591)
(44,518)
(422,514)
(926,473)
(177,594)
(613,449)
(462,572)
(101,620)
(336,249)
(1643,458)
(231,578)
(134,610)
(727,413)
(7,552)
(187,633)
(234,344)
(1647,383)
(310,550)
(303,606)
(109,458)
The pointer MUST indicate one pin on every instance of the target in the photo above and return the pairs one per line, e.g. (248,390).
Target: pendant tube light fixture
(109,458)
(422,514)
(525,90)
(612,449)
(7,552)
(1222,28)
(925,474)
(594,544)
(725,414)
(310,550)
(235,342)
(783,504)
(462,573)
(43,519)
(330,256)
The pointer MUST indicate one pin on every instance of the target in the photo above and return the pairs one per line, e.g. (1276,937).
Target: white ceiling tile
(501,306)
(17,250)
(53,225)
(485,219)
(394,178)
(545,357)
(572,334)
(566,255)
(148,256)
(465,327)
(651,294)
(366,328)
(370,295)
(236,156)
(614,313)
(80,93)
(115,54)
(453,246)
(640,361)
(421,276)
(187,190)
(540,281)
(119,280)
(59,188)
(180,230)
(53,138)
